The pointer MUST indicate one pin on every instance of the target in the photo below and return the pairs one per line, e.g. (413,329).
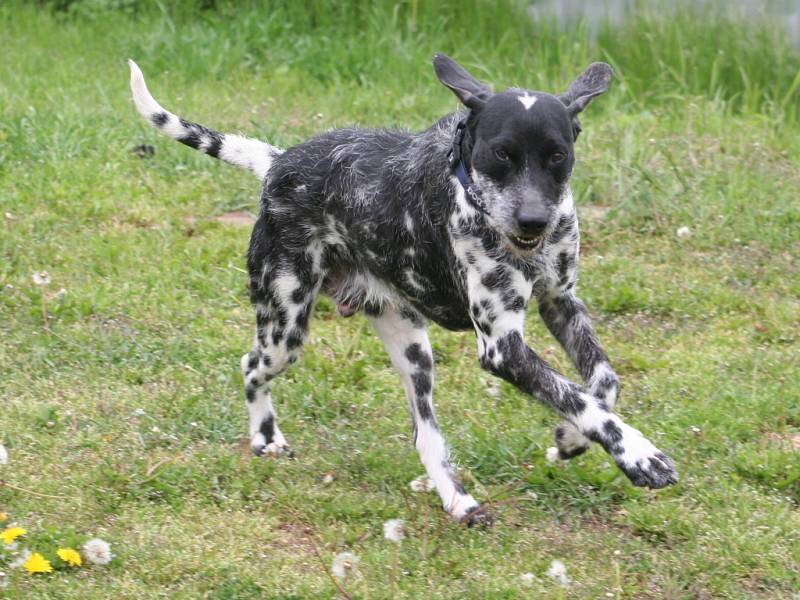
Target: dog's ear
(593,82)
(472,93)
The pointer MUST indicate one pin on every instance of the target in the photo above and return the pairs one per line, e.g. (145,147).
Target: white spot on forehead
(527,100)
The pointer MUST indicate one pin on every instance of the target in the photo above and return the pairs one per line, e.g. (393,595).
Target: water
(783,13)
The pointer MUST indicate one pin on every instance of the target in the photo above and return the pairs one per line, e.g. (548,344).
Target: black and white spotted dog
(461,224)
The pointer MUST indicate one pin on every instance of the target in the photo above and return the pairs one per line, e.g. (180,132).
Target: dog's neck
(461,163)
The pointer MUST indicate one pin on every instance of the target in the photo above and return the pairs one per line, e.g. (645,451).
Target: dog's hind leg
(405,337)
(284,300)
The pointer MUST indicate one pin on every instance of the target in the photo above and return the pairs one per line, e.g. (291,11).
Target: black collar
(459,169)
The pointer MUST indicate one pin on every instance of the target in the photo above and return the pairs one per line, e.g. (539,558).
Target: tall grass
(661,56)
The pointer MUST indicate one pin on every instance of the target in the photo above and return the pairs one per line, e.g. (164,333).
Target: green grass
(126,420)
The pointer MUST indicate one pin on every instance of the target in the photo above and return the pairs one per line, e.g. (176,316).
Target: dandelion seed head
(3,455)
(558,573)
(20,560)
(41,278)
(423,483)
(344,564)
(683,232)
(527,579)
(98,551)
(551,455)
(394,530)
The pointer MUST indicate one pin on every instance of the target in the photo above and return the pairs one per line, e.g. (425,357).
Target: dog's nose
(531,220)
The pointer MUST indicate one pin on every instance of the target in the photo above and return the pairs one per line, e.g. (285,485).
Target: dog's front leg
(568,320)
(406,340)
(504,353)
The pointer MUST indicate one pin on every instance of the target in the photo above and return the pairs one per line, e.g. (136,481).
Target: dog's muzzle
(526,243)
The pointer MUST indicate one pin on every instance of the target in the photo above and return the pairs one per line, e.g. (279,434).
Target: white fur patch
(527,100)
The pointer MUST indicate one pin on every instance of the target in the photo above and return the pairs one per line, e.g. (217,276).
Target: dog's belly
(356,290)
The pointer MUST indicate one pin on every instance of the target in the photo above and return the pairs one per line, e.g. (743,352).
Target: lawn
(121,404)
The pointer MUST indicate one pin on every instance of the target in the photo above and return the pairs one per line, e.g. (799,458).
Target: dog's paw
(477,516)
(569,441)
(277,447)
(643,463)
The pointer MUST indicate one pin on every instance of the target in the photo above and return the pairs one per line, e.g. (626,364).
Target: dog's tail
(248,153)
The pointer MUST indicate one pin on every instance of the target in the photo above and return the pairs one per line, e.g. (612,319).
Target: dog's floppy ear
(472,93)
(593,82)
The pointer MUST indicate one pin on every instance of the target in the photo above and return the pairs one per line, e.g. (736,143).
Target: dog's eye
(557,157)
(501,154)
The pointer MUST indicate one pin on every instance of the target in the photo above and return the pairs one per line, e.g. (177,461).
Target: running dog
(461,224)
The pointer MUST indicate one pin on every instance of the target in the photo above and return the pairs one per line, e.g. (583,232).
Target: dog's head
(518,145)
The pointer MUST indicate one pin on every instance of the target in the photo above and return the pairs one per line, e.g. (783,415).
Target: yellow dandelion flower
(12,533)
(37,563)
(70,556)
(3,517)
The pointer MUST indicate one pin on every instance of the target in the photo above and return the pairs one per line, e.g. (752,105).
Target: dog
(461,224)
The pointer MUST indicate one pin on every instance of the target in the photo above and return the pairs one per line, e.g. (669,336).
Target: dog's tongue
(345,310)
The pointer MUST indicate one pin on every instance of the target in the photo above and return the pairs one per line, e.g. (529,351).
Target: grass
(125,418)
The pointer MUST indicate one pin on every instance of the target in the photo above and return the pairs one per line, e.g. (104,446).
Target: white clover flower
(3,455)
(344,564)
(683,232)
(551,455)
(423,483)
(394,530)
(558,573)
(97,551)
(41,278)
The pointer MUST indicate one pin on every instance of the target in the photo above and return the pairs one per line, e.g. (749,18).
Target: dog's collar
(459,169)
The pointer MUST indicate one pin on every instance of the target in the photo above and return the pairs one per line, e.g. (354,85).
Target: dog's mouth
(526,243)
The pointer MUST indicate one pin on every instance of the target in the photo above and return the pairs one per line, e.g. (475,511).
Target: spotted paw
(274,448)
(477,516)
(643,463)
(656,471)
(569,441)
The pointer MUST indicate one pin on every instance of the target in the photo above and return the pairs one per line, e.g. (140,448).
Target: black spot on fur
(294,339)
(416,355)
(267,428)
(613,431)
(564,226)
(250,392)
(191,139)
(214,147)
(513,302)
(563,265)
(486,327)
(159,119)
(422,383)
(424,408)
(299,295)
(496,278)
